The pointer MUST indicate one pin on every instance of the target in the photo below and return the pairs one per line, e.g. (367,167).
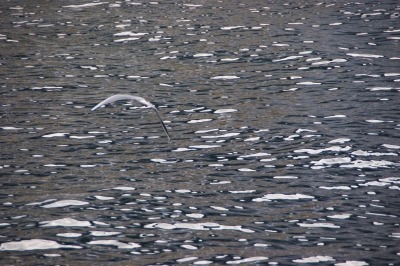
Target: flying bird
(142,101)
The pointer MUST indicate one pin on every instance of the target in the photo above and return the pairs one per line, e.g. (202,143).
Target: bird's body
(142,101)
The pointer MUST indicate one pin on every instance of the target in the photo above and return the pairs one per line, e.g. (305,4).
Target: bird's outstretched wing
(119,97)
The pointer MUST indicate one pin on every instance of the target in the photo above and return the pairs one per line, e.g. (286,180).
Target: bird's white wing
(119,97)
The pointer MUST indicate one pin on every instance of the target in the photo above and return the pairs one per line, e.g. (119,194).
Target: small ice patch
(116,243)
(308,83)
(255,155)
(225,77)
(279,196)
(65,203)
(11,128)
(335,116)
(337,187)
(340,216)
(285,177)
(352,263)
(55,135)
(204,146)
(315,259)
(195,215)
(34,244)
(331,161)
(123,188)
(103,198)
(369,164)
(365,55)
(198,121)
(247,260)
(333,148)
(246,170)
(339,140)
(65,222)
(390,146)
(318,225)
(202,55)
(252,139)
(223,111)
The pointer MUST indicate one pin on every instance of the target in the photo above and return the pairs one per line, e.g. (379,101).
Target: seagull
(142,101)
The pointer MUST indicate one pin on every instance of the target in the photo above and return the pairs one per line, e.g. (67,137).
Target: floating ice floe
(318,225)
(287,58)
(333,148)
(246,170)
(205,131)
(65,222)
(65,203)
(191,247)
(365,55)
(223,111)
(197,226)
(280,44)
(339,140)
(103,233)
(390,146)
(232,27)
(129,33)
(55,135)
(308,83)
(124,188)
(335,116)
(116,243)
(219,208)
(255,155)
(198,121)
(352,263)
(252,139)
(315,259)
(204,146)
(86,5)
(278,196)
(203,55)
(195,215)
(375,121)
(11,128)
(81,137)
(186,259)
(225,77)
(340,216)
(247,260)
(369,164)
(331,161)
(34,244)
(337,187)
(285,177)
(69,235)
(229,59)
(241,191)
(183,149)
(366,153)
(227,135)
(127,39)
(103,198)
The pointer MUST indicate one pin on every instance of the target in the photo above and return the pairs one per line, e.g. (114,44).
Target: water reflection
(285,147)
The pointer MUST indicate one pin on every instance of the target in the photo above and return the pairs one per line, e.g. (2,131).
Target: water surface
(284,122)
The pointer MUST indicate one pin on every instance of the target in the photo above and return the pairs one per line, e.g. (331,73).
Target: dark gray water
(284,119)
